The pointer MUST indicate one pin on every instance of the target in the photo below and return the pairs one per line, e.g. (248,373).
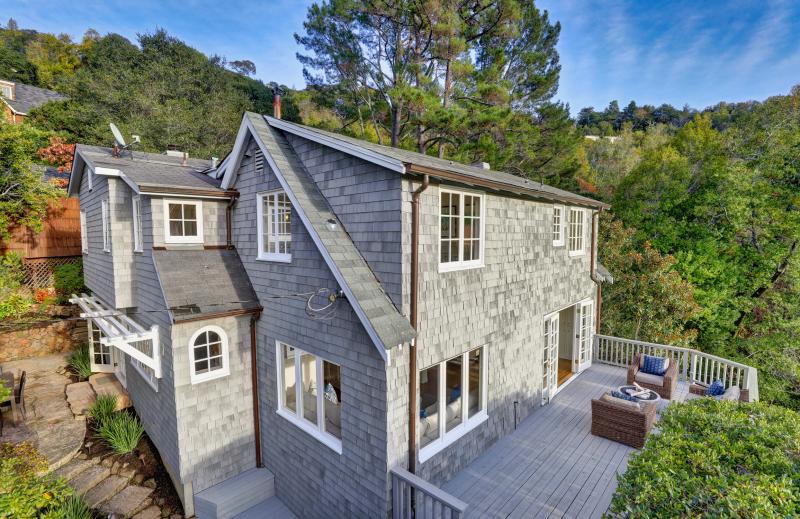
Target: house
(317,310)
(19,99)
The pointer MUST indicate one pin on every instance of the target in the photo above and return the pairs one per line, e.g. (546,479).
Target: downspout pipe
(593,268)
(254,375)
(228,222)
(412,351)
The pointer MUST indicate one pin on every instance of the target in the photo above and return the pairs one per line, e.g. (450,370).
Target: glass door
(99,354)
(584,334)
(550,358)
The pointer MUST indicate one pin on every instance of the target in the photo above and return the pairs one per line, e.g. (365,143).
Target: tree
(244,67)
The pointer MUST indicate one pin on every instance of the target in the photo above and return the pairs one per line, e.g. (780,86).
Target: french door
(119,366)
(100,355)
(550,358)
(584,335)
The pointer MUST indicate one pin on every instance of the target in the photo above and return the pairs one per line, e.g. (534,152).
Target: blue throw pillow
(716,389)
(654,365)
(624,396)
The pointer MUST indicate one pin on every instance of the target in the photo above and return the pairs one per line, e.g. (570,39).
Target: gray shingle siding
(214,226)
(312,479)
(98,265)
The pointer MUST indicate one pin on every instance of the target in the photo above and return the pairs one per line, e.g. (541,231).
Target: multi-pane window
(576,231)
(7,90)
(558,225)
(183,221)
(137,224)
(274,226)
(452,400)
(208,349)
(84,236)
(460,229)
(106,226)
(101,353)
(310,390)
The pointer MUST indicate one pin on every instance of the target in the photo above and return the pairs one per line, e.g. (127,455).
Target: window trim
(558,242)
(211,375)
(84,236)
(295,417)
(136,205)
(282,257)
(461,264)
(447,438)
(106,225)
(168,238)
(582,236)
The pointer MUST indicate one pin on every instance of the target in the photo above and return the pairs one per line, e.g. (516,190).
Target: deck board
(551,466)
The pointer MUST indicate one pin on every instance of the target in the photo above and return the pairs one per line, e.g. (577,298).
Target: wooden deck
(551,466)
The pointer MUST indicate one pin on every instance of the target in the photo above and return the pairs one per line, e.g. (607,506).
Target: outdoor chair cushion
(624,396)
(648,378)
(626,404)
(655,365)
(716,389)
(732,393)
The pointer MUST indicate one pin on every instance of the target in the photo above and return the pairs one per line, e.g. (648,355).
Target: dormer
(8,89)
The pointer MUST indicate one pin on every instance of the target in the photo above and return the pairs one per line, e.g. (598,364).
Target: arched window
(208,354)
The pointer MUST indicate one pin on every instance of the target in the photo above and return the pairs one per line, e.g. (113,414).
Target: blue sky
(679,52)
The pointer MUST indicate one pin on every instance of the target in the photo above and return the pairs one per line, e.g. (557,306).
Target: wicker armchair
(621,423)
(670,378)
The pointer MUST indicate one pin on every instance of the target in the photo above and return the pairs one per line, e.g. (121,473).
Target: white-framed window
(84,236)
(7,90)
(106,226)
(310,394)
(137,224)
(183,221)
(274,216)
(208,354)
(576,232)
(452,400)
(558,225)
(461,230)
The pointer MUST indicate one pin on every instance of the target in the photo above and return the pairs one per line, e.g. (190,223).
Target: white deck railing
(693,365)
(415,498)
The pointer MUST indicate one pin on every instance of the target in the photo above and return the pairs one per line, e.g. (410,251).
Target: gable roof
(404,161)
(27,97)
(147,172)
(225,287)
(383,322)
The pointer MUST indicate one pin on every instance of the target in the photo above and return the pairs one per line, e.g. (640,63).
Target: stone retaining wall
(58,332)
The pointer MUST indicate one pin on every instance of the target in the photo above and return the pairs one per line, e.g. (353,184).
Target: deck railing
(415,498)
(693,365)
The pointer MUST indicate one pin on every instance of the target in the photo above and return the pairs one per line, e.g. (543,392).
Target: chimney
(482,165)
(277,91)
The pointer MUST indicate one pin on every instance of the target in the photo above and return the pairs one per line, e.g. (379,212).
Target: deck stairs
(249,495)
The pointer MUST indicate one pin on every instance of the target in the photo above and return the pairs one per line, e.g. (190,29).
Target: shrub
(122,432)
(5,391)
(73,508)
(68,280)
(80,362)
(12,272)
(103,408)
(715,459)
(14,305)
(24,494)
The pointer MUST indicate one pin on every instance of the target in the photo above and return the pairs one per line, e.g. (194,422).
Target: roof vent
(482,165)
(174,153)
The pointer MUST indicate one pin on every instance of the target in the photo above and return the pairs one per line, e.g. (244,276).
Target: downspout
(412,351)
(254,375)
(593,268)
(228,223)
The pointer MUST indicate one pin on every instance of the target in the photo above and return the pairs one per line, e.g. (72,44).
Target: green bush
(715,459)
(12,272)
(68,280)
(5,391)
(80,363)
(14,305)
(103,408)
(73,508)
(23,493)
(122,431)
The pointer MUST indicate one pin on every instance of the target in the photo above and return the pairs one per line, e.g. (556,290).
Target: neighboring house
(19,99)
(365,292)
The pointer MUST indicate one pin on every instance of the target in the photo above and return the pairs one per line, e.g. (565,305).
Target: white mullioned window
(106,226)
(310,394)
(461,230)
(137,224)
(576,231)
(84,236)
(452,400)
(7,90)
(274,216)
(558,225)
(208,354)
(183,221)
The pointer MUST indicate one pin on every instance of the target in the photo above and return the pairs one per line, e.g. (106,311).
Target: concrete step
(105,490)
(128,502)
(235,495)
(73,468)
(88,479)
(272,508)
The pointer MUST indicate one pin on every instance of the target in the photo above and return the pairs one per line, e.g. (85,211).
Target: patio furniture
(622,421)
(649,397)
(664,384)
(732,393)
(16,401)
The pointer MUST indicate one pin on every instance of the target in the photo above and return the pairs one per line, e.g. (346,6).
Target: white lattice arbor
(122,332)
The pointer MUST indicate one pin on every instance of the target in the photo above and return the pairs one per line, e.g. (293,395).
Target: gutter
(412,351)
(593,268)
